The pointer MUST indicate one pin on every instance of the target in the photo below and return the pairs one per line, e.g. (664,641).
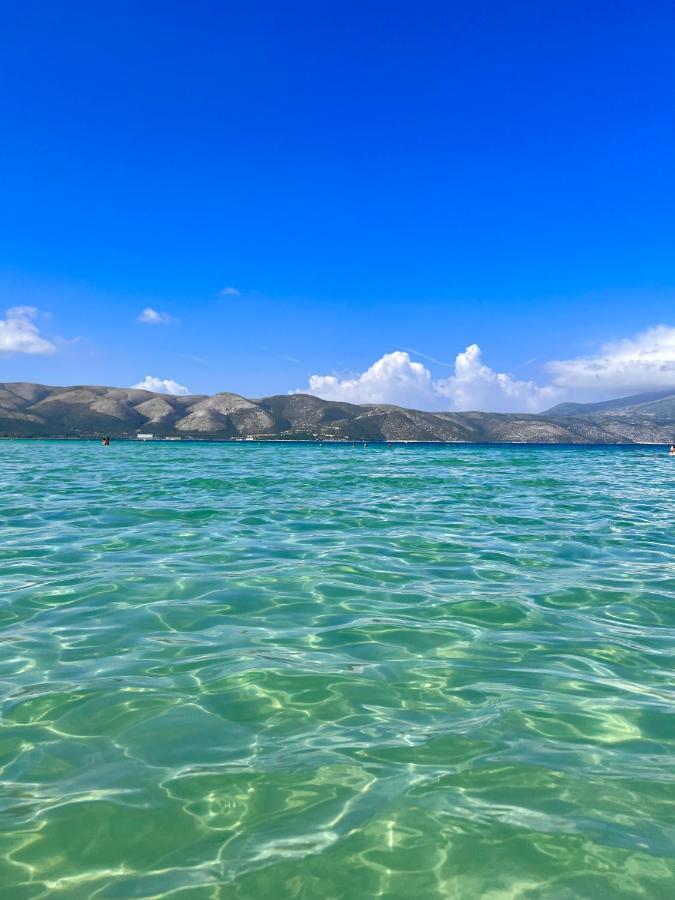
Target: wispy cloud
(150,316)
(161,386)
(529,362)
(197,359)
(20,334)
(643,362)
(289,358)
(229,292)
(432,359)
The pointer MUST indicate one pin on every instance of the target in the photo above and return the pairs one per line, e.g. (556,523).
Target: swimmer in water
(106,441)
(671,452)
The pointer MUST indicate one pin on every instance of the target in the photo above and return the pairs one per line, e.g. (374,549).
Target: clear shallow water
(242,671)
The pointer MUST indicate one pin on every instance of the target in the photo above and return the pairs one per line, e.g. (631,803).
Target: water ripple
(243,671)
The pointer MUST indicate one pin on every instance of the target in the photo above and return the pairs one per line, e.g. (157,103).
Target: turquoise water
(243,671)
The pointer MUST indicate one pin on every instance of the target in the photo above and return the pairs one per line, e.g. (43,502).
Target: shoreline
(359,442)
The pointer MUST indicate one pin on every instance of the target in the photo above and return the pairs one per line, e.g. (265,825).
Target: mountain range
(38,410)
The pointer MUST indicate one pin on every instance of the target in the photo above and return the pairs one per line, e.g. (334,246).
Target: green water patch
(250,672)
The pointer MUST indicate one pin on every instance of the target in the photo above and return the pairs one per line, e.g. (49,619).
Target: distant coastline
(343,443)
(29,410)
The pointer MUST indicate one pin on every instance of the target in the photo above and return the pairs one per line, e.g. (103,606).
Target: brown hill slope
(35,410)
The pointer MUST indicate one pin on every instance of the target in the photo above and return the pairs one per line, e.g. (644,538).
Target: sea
(299,671)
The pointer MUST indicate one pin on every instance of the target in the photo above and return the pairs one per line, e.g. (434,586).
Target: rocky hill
(657,404)
(37,410)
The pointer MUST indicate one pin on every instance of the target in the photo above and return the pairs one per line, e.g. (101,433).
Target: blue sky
(379,184)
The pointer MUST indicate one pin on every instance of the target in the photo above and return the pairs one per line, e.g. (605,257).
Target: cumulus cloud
(395,378)
(161,386)
(476,386)
(150,316)
(20,334)
(230,292)
(643,362)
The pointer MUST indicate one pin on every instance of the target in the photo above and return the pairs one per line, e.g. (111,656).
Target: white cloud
(643,362)
(161,386)
(230,292)
(150,316)
(397,379)
(20,334)
(476,386)
(394,378)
